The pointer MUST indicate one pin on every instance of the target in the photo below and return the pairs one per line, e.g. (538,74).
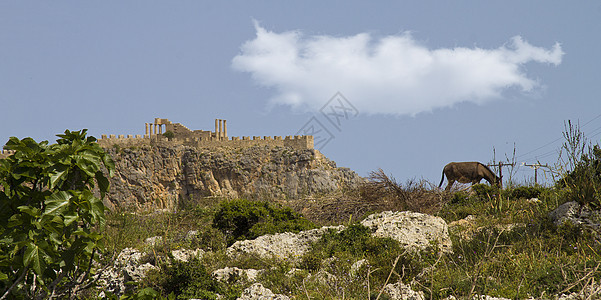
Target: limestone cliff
(163,176)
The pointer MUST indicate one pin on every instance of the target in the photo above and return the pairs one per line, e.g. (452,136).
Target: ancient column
(216,128)
(220,129)
(224,129)
(160,128)
(146,128)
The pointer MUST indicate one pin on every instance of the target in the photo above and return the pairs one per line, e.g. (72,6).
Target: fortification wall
(295,142)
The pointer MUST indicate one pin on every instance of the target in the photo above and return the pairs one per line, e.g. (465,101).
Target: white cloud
(390,75)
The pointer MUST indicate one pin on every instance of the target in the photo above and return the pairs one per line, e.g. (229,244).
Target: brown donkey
(466,172)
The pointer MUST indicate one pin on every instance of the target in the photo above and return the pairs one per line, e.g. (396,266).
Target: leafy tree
(48,215)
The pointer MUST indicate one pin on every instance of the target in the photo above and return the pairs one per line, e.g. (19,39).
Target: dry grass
(380,193)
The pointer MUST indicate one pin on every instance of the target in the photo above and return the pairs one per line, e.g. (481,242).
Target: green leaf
(3,276)
(57,203)
(15,220)
(58,175)
(34,257)
(88,161)
(103,183)
(70,217)
(32,211)
(109,164)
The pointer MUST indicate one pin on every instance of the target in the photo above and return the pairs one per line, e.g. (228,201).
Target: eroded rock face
(414,231)
(159,177)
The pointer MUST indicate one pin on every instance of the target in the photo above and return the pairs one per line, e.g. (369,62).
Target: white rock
(154,241)
(226,273)
(401,291)
(286,246)
(186,254)
(414,231)
(258,292)
(125,268)
(357,266)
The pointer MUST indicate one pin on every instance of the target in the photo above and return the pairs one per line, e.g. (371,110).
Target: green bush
(583,183)
(485,191)
(242,219)
(191,280)
(355,243)
(525,192)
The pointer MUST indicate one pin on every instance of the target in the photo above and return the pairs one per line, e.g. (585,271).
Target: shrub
(583,183)
(525,192)
(485,191)
(354,243)
(191,280)
(242,219)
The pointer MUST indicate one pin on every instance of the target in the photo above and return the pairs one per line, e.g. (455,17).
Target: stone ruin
(165,131)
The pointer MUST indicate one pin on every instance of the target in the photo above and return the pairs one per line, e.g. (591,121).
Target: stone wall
(182,135)
(295,142)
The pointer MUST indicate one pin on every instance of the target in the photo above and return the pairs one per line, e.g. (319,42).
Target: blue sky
(423,83)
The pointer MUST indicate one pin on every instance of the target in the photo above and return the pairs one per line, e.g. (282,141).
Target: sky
(405,86)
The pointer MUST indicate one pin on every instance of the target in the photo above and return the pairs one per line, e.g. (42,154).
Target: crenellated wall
(180,134)
(295,142)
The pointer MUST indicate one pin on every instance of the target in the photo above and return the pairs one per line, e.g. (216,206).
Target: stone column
(220,129)
(216,128)
(160,128)
(224,129)
(146,128)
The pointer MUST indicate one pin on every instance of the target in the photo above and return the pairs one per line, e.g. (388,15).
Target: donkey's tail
(441,180)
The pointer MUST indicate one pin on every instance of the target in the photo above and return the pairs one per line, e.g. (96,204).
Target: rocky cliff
(164,176)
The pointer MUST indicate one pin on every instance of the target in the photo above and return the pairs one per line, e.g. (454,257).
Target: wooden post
(536,166)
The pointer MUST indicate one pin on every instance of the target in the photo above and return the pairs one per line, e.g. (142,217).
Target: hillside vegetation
(504,242)
(512,243)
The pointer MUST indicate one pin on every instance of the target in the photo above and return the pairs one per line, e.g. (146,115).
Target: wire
(554,141)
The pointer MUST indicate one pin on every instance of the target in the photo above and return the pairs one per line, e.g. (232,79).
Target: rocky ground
(414,231)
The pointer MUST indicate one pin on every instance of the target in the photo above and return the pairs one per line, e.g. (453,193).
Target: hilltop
(167,175)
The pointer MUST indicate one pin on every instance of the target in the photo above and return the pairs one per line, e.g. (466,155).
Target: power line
(554,141)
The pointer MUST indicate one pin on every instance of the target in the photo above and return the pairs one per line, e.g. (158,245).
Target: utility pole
(536,166)
(500,165)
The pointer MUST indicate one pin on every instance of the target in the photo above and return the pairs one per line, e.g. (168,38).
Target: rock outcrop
(287,246)
(127,267)
(258,292)
(576,214)
(414,231)
(163,176)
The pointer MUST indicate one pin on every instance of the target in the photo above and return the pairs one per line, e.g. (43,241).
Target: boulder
(258,292)
(227,273)
(401,291)
(186,254)
(285,246)
(414,231)
(576,214)
(127,267)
